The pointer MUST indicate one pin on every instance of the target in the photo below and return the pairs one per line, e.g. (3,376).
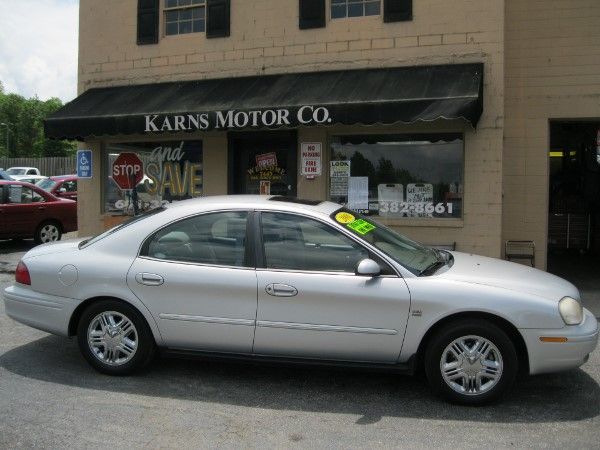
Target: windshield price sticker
(415,207)
(344,217)
(361,226)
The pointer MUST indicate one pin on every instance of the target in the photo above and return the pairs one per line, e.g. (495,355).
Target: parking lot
(50,397)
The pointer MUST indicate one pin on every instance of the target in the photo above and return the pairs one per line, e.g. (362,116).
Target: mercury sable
(274,278)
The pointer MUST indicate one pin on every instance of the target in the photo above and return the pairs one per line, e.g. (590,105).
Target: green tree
(25,120)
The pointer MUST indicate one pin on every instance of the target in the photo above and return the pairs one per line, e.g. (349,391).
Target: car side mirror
(368,268)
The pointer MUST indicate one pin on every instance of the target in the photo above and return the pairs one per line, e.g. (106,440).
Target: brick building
(447,120)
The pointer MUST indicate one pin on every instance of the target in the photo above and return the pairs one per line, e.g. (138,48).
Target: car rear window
(125,224)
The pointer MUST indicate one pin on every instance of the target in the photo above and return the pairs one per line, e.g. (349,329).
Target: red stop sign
(127,170)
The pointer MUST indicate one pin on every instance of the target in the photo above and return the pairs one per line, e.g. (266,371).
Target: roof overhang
(348,97)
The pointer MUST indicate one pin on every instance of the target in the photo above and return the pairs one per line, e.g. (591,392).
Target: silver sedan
(274,278)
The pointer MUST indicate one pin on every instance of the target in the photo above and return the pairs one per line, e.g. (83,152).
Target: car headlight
(571,311)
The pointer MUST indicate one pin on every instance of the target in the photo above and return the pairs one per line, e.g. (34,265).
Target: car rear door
(312,305)
(23,211)
(197,278)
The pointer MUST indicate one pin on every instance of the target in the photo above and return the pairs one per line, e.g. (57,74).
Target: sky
(38,48)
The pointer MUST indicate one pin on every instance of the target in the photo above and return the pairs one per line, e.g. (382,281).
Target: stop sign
(127,170)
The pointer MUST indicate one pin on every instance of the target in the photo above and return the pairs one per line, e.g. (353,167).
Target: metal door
(320,314)
(195,278)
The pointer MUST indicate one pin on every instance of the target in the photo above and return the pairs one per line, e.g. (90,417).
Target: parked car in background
(64,186)
(4,175)
(27,211)
(267,278)
(33,179)
(23,171)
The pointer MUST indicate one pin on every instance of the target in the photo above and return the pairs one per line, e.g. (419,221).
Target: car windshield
(46,184)
(416,257)
(126,223)
(16,171)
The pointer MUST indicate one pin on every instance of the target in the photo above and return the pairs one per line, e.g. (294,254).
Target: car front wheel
(114,338)
(471,362)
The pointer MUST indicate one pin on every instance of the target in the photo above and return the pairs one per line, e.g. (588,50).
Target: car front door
(197,278)
(312,305)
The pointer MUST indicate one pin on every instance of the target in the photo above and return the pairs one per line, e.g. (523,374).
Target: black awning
(366,96)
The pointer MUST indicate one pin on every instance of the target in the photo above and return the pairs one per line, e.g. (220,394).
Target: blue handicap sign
(84,163)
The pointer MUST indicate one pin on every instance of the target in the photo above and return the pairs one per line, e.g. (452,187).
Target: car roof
(271,202)
(63,177)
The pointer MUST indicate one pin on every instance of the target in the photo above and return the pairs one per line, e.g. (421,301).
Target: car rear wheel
(115,338)
(48,232)
(471,362)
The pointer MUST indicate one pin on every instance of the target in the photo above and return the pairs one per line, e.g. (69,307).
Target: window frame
(362,16)
(249,250)
(166,10)
(373,252)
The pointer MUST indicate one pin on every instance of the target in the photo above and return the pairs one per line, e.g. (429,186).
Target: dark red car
(28,211)
(63,186)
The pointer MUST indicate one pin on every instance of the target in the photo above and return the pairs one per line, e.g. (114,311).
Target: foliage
(25,120)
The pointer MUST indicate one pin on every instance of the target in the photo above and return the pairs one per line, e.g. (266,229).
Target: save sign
(310,159)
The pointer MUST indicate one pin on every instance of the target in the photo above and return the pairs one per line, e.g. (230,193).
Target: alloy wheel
(112,338)
(471,365)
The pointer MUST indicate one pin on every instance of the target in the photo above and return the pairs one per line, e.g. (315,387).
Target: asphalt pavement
(51,398)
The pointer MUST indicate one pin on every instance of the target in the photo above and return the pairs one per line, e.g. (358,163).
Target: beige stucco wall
(265,39)
(552,72)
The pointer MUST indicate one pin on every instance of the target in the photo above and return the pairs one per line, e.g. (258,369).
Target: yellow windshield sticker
(361,226)
(344,217)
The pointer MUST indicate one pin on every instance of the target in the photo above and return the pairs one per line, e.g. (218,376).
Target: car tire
(471,362)
(49,231)
(115,338)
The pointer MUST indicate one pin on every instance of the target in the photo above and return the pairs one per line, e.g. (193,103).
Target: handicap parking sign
(84,163)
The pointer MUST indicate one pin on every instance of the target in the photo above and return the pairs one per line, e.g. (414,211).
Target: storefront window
(399,175)
(172,172)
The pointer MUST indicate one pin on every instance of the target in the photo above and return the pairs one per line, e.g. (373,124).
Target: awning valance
(366,96)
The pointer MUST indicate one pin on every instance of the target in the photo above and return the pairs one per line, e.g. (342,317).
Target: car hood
(54,247)
(494,272)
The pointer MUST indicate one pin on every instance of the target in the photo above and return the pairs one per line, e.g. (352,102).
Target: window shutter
(397,10)
(147,25)
(217,18)
(312,14)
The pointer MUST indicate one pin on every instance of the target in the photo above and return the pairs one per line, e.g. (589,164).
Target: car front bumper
(45,312)
(545,357)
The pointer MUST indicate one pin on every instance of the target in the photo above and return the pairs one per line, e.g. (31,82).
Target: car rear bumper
(45,312)
(544,357)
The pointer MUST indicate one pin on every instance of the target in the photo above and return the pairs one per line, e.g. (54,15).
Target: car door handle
(281,290)
(149,279)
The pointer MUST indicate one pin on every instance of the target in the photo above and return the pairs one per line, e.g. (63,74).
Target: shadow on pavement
(16,245)
(568,396)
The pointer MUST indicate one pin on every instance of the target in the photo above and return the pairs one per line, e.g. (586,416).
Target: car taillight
(22,274)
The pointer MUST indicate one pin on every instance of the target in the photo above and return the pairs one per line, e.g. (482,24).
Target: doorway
(574,205)
(263,163)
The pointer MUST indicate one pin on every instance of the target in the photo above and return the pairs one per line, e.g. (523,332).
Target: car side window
(217,239)
(299,243)
(70,186)
(18,194)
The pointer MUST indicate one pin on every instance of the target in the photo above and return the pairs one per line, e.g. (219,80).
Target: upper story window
(185,16)
(354,8)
